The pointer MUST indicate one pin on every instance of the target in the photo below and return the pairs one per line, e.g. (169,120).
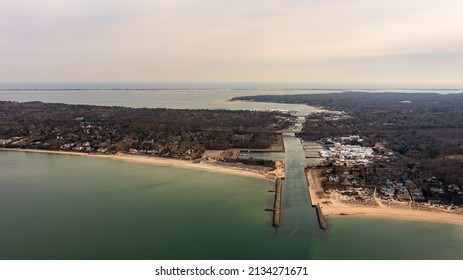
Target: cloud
(212,40)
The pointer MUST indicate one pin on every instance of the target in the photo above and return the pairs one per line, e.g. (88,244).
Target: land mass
(200,136)
(384,152)
(340,202)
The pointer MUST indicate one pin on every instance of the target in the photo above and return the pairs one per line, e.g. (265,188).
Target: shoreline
(168,162)
(333,207)
(392,213)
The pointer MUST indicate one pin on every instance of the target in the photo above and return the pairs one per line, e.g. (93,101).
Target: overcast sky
(397,42)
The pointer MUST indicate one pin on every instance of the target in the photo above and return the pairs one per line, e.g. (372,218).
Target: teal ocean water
(71,207)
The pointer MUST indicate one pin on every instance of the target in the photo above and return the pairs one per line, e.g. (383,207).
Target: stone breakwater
(277,203)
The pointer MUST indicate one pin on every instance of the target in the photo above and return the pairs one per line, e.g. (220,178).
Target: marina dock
(312,149)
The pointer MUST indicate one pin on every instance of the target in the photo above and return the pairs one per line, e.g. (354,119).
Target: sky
(390,42)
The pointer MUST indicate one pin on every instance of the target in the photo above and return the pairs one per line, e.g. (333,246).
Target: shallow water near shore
(72,207)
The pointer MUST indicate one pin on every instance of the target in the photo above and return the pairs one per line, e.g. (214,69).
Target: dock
(277,203)
(312,149)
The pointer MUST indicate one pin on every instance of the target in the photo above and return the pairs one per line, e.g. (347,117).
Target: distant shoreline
(333,206)
(169,162)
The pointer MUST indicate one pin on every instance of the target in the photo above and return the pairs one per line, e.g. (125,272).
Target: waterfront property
(159,213)
(163,212)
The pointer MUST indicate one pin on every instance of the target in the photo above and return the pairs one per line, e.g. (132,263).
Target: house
(454,188)
(403,194)
(417,194)
(387,190)
(437,190)
(334,179)
(4,141)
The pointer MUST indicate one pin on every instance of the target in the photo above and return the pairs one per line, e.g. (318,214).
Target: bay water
(72,207)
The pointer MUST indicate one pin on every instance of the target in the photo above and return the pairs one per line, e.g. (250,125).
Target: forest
(162,132)
(425,128)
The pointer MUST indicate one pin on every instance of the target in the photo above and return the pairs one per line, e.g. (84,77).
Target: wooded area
(163,132)
(425,128)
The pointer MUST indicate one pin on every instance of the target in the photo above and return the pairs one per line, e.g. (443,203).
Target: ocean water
(175,96)
(207,98)
(71,207)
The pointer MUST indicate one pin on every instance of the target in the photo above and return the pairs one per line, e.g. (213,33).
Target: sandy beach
(176,163)
(332,205)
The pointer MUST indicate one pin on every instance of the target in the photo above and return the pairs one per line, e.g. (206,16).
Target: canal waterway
(352,237)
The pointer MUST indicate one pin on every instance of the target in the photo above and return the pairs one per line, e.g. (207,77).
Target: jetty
(321,218)
(277,202)
(312,184)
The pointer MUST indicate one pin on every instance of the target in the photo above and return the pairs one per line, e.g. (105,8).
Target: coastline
(339,209)
(168,162)
(332,205)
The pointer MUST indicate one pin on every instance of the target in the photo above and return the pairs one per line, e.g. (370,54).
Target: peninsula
(389,154)
(202,139)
